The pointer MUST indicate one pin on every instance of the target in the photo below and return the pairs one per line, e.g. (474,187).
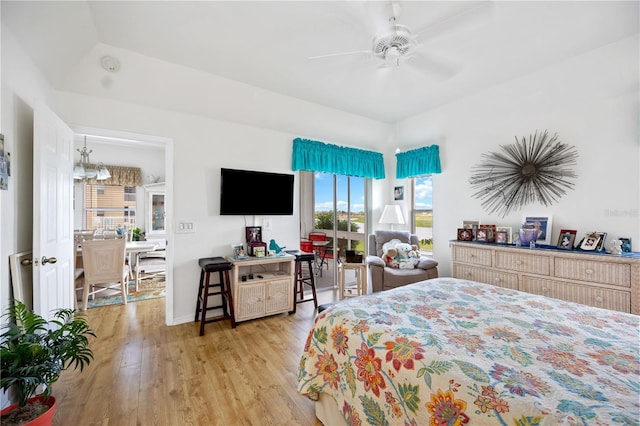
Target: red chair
(306,245)
(320,243)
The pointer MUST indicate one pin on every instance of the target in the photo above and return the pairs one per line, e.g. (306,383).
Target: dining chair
(104,268)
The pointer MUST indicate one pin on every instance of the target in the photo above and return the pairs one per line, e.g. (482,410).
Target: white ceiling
(267,44)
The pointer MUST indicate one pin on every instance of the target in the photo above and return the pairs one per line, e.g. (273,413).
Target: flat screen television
(247,192)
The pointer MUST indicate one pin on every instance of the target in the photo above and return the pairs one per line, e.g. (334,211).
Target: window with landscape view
(423,212)
(350,209)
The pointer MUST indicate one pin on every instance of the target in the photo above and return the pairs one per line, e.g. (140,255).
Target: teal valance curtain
(323,157)
(418,162)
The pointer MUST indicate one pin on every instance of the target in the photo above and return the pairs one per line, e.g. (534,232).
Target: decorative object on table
(615,247)
(626,244)
(473,225)
(502,237)
(398,193)
(353,257)
(257,246)
(273,246)
(566,240)
(465,234)
(590,242)
(528,234)
(137,234)
(392,214)
(603,237)
(535,170)
(508,231)
(491,235)
(542,223)
(253,233)
(570,231)
(34,351)
(484,235)
(238,251)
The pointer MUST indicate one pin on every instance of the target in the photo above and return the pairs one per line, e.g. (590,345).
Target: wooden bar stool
(300,280)
(360,287)
(209,265)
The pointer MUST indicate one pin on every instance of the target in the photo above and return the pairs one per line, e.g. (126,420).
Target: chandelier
(85,170)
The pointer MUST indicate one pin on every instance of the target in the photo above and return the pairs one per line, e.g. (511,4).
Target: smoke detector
(109,63)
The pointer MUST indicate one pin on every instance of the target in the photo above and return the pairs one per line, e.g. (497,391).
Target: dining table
(134,249)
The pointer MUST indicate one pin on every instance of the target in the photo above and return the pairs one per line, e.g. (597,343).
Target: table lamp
(392,214)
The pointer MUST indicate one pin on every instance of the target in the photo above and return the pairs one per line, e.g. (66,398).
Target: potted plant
(137,234)
(33,352)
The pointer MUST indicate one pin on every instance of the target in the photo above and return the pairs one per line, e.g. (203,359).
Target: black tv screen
(246,192)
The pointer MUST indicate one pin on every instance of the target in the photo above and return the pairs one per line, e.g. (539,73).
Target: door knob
(26,262)
(46,260)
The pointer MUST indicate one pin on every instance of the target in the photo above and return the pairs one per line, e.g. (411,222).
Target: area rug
(150,288)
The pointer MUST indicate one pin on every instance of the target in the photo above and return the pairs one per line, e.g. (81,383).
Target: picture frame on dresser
(509,232)
(626,244)
(566,241)
(502,237)
(542,223)
(253,233)
(590,242)
(465,234)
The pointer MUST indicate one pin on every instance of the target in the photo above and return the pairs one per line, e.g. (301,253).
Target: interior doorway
(152,155)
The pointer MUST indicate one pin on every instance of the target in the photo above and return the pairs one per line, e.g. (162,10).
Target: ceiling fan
(396,43)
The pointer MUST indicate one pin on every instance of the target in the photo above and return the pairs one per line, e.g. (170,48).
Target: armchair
(382,277)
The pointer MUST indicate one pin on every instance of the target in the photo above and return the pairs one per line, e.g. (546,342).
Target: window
(350,208)
(108,207)
(423,212)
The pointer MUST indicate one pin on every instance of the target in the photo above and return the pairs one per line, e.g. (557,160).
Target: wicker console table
(600,280)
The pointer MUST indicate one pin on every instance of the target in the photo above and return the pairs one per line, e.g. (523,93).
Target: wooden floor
(145,373)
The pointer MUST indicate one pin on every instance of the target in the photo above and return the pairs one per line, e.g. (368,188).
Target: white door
(53,244)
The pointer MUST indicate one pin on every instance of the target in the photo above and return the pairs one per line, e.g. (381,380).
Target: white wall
(591,101)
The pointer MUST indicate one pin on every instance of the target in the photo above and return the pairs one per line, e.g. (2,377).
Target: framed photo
(485,234)
(238,251)
(508,231)
(543,224)
(253,233)
(590,242)
(626,244)
(566,240)
(470,223)
(570,231)
(398,193)
(465,234)
(603,236)
(502,237)
(473,225)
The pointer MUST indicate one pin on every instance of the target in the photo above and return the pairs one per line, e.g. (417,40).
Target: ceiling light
(85,170)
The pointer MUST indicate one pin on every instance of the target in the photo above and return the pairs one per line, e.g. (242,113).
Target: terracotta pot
(45,419)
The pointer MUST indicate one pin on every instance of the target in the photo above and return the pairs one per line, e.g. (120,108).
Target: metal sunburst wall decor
(538,169)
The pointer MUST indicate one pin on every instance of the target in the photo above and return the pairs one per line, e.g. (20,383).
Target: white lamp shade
(392,214)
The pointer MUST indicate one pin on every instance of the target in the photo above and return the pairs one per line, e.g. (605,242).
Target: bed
(448,351)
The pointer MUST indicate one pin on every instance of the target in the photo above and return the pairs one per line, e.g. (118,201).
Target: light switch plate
(266,224)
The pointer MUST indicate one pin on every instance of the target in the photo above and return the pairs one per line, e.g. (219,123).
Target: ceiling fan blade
(330,55)
(439,68)
(454,20)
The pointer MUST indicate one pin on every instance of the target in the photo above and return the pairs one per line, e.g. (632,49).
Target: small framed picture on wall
(398,193)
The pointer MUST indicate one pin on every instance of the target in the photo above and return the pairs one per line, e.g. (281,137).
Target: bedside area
(594,279)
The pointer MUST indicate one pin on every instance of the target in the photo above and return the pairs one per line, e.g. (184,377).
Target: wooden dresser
(600,280)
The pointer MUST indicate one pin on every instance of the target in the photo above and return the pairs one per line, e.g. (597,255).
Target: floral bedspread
(450,352)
